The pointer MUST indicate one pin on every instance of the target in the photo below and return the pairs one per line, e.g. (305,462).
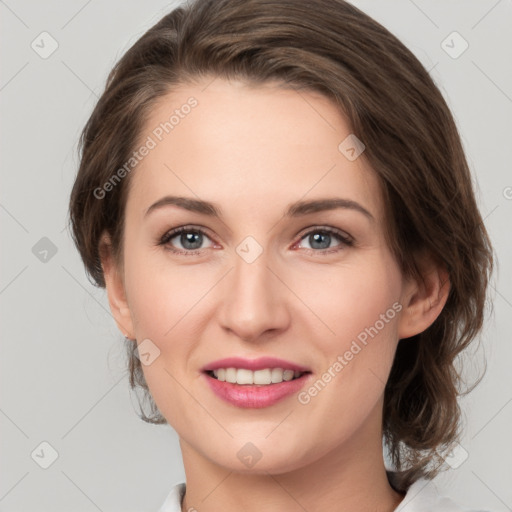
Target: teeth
(244,376)
(277,375)
(231,375)
(288,375)
(260,377)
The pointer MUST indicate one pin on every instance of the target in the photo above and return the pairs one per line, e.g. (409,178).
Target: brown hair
(412,144)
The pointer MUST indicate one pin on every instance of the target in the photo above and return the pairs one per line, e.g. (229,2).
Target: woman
(275,196)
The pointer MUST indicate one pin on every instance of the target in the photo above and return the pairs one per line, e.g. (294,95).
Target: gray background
(62,360)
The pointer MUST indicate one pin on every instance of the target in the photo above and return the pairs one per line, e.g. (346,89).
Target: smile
(264,377)
(245,392)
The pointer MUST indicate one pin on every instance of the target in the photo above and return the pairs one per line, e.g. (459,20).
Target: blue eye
(188,240)
(191,240)
(319,240)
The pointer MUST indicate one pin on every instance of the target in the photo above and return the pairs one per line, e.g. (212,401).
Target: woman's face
(266,275)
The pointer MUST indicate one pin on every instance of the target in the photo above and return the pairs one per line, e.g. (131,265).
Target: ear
(424,298)
(115,288)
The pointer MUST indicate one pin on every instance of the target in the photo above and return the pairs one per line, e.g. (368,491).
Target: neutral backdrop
(62,360)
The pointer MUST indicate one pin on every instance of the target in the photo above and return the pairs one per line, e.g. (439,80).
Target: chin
(259,458)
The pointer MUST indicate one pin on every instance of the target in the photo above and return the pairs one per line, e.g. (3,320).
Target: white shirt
(422,496)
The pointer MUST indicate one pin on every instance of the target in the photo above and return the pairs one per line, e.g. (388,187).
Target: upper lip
(254,364)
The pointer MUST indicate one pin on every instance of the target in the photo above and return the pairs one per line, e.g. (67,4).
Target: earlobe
(115,288)
(424,299)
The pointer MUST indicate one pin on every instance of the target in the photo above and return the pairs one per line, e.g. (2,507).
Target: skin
(253,150)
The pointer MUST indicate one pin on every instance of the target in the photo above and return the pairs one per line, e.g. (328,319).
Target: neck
(350,477)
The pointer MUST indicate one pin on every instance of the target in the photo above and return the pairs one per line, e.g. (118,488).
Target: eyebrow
(296,209)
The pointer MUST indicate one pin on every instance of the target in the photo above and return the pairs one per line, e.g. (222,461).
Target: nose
(255,300)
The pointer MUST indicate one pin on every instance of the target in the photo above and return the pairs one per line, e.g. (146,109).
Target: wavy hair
(412,144)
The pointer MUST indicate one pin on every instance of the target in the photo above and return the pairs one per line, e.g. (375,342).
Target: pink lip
(254,364)
(255,396)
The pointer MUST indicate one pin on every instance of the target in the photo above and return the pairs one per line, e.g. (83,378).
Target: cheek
(359,308)
(343,301)
(164,306)
(346,300)
(160,294)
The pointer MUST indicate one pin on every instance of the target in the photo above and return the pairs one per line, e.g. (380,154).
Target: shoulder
(173,501)
(423,496)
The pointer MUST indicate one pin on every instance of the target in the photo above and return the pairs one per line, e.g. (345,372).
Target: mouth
(263,377)
(249,389)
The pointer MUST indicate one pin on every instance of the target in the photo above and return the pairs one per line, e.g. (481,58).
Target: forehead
(249,146)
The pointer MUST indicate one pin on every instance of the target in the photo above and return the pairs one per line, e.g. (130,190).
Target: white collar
(422,496)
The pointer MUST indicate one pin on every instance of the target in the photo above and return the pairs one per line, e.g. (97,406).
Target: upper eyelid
(186,228)
(172,233)
(328,229)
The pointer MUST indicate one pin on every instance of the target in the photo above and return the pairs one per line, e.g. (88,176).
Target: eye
(189,240)
(320,240)
(185,240)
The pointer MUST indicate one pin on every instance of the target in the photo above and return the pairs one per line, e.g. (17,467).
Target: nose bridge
(255,299)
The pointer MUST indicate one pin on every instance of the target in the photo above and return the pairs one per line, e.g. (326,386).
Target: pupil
(195,239)
(317,238)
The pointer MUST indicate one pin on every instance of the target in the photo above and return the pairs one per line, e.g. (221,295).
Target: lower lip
(254,396)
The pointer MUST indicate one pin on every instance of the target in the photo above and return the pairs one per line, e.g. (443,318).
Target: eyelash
(343,238)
